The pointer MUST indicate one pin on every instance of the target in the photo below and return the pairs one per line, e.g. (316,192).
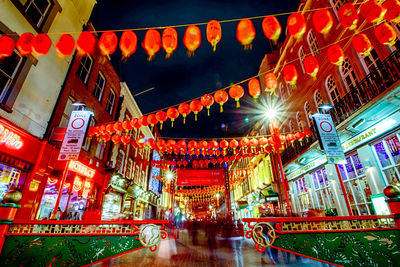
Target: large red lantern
(311,66)
(161,144)
(244,142)
(214,33)
(221,97)
(207,101)
(24,44)
(196,107)
(171,144)
(192,39)
(181,145)
(361,44)
(233,143)
(192,145)
(335,54)
(270,81)
(169,41)
(128,44)
(348,16)
(116,138)
(254,88)
(135,123)
(125,139)
(152,43)
(152,120)
(105,138)
(296,25)
(236,92)
(86,43)
(385,34)
(393,10)
(116,127)
(272,28)
(213,145)
(184,110)
(108,43)
(161,117)
(290,74)
(143,121)
(263,141)
(322,20)
(245,33)
(203,145)
(126,124)
(65,45)
(172,114)
(41,44)
(223,144)
(7,45)
(372,12)
(253,142)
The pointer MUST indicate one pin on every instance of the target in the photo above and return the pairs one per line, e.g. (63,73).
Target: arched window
(332,89)
(291,126)
(371,62)
(298,120)
(302,56)
(336,4)
(307,111)
(317,98)
(348,74)
(313,43)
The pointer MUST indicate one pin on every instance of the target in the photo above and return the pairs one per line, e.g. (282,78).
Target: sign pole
(64,177)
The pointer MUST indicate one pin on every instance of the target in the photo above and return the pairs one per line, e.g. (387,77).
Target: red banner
(193,177)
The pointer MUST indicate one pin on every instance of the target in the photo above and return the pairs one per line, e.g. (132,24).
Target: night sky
(182,78)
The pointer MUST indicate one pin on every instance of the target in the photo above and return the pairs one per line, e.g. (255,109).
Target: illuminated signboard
(81,169)
(154,184)
(9,138)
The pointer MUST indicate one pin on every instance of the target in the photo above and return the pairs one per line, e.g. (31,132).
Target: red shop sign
(191,177)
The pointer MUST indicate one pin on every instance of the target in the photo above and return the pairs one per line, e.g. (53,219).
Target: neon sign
(9,138)
(81,169)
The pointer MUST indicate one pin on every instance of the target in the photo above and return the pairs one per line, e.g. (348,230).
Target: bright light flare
(169,176)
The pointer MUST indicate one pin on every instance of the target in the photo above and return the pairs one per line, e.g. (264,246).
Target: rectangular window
(100,151)
(86,145)
(67,112)
(84,69)
(129,169)
(110,102)
(9,67)
(119,164)
(37,10)
(99,87)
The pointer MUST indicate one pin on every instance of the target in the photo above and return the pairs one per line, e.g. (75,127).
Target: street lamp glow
(169,176)
(325,107)
(217,195)
(271,113)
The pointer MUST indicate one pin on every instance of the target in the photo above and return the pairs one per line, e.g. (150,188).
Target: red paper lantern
(214,33)
(41,44)
(385,34)
(169,41)
(125,139)
(236,92)
(7,45)
(272,28)
(221,97)
(213,145)
(203,144)
(296,25)
(244,142)
(184,110)
(263,141)
(105,138)
(127,125)
(152,43)
(143,121)
(233,144)
(214,161)
(207,101)
(108,43)
(361,44)
(245,33)
(311,66)
(270,81)
(116,138)
(161,144)
(65,45)
(393,10)
(161,117)
(192,145)
(348,16)
(335,54)
(372,11)
(171,144)
(192,39)
(172,114)
(118,127)
(253,142)
(290,138)
(307,132)
(181,145)
(24,44)
(223,144)
(300,136)
(135,123)
(128,44)
(86,43)
(254,88)
(152,120)
(196,107)
(322,20)
(290,74)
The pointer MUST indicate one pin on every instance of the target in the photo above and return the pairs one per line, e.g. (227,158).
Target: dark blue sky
(181,78)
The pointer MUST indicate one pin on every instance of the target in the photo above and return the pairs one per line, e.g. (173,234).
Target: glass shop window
(387,152)
(10,178)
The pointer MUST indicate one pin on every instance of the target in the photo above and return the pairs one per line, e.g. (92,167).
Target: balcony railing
(377,81)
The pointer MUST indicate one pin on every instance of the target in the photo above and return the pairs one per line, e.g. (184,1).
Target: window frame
(83,67)
(313,43)
(330,89)
(100,97)
(350,73)
(307,104)
(301,55)
(316,102)
(111,111)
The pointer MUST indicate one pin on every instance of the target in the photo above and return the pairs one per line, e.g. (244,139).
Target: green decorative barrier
(60,250)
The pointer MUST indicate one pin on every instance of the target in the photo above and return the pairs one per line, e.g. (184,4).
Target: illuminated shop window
(387,152)
(323,192)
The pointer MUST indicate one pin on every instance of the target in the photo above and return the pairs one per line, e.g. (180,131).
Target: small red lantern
(125,139)
(213,145)
(307,132)
(116,138)
(152,43)
(335,54)
(348,16)
(161,144)
(300,136)
(128,44)
(244,142)
(196,107)
(214,33)
(86,43)
(253,142)
(7,45)
(126,125)
(184,110)
(110,128)
(135,124)
(108,43)
(117,127)
(245,33)
(65,45)
(202,145)
(192,39)
(385,34)
(105,138)
(152,120)
(393,10)
(161,117)
(270,82)
(221,97)
(322,20)
(171,144)
(272,28)
(311,66)
(169,41)
(41,44)
(236,92)
(223,144)
(233,144)
(361,44)
(207,101)
(143,121)
(192,145)
(254,88)
(263,141)
(296,25)
(24,44)
(181,145)
(290,138)
(172,114)
(372,11)
(290,74)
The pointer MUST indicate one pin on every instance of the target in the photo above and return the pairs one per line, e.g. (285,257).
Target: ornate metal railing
(385,75)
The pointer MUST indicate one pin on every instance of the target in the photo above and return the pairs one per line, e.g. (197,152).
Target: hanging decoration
(24,44)
(108,43)
(272,28)
(361,44)
(270,82)
(41,44)
(65,45)
(385,34)
(172,114)
(184,110)
(86,43)
(152,120)
(152,43)
(311,66)
(392,10)
(290,74)
(322,20)
(335,54)
(236,92)
(214,33)
(161,117)
(192,39)
(348,16)
(207,101)
(169,41)
(245,33)
(128,44)
(7,45)
(372,12)
(221,97)
(254,88)
(196,107)
(143,121)
(296,25)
